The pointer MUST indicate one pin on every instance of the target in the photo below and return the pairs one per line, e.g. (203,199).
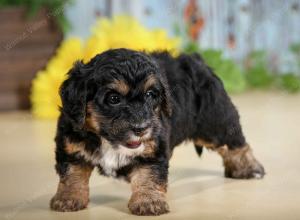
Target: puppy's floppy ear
(166,96)
(73,93)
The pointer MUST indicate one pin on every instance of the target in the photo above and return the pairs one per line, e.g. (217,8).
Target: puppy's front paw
(147,204)
(61,204)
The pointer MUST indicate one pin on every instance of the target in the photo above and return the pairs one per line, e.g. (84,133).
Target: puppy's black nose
(139,130)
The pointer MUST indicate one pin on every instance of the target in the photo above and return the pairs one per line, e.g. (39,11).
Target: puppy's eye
(150,94)
(113,99)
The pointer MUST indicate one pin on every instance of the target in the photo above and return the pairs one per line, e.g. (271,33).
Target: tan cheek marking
(72,148)
(120,86)
(92,120)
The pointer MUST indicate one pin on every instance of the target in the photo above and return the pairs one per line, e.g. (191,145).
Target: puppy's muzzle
(140,129)
(138,134)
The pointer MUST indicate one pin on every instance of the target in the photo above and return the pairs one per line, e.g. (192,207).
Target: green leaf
(257,73)
(191,47)
(290,82)
(228,71)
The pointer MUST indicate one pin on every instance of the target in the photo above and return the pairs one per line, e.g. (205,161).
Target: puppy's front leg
(149,187)
(73,189)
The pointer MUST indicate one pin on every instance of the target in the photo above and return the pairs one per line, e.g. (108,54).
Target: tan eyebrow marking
(150,81)
(120,86)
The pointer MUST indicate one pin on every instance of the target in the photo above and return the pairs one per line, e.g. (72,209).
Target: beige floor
(197,189)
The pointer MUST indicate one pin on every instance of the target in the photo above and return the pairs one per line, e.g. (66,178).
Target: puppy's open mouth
(134,141)
(133,144)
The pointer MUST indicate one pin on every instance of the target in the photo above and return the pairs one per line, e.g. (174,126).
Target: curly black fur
(187,101)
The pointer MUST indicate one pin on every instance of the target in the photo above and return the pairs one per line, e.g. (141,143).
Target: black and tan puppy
(125,111)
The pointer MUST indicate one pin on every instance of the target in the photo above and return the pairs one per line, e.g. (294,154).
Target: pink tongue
(133,144)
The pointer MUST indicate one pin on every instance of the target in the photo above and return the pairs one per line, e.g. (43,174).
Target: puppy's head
(120,94)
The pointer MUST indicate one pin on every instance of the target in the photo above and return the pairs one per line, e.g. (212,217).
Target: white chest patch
(112,158)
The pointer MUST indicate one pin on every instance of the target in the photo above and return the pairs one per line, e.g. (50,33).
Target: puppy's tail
(199,150)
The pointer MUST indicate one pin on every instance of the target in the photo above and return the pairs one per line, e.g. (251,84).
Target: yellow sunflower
(45,86)
(121,31)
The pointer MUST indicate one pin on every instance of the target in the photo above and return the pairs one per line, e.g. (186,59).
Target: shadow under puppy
(125,111)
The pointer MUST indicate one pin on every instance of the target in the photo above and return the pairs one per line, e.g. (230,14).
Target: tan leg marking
(201,142)
(72,148)
(240,163)
(73,190)
(148,197)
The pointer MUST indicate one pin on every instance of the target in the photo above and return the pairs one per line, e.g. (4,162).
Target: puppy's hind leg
(239,161)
